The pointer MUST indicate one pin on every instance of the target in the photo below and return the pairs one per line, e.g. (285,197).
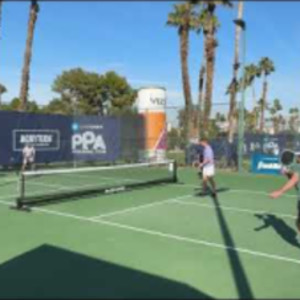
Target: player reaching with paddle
(291,168)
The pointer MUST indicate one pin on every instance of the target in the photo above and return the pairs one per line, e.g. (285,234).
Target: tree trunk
(254,105)
(201,97)
(210,45)
(276,125)
(236,64)
(27,57)
(184,43)
(263,105)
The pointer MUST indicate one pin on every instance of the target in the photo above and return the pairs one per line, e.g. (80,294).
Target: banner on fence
(265,164)
(58,138)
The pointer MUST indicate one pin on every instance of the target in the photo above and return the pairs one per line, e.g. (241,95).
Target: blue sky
(132,39)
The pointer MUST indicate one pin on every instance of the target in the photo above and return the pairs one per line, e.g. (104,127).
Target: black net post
(22,191)
(174,166)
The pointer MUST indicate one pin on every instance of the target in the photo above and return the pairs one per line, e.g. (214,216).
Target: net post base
(22,208)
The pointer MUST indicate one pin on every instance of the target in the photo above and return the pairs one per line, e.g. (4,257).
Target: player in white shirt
(28,156)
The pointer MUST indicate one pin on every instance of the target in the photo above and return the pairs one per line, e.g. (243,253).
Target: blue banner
(49,134)
(95,138)
(265,164)
(41,139)
(58,138)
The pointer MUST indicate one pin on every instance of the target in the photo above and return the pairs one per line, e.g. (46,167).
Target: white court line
(168,236)
(130,209)
(231,208)
(11,196)
(235,190)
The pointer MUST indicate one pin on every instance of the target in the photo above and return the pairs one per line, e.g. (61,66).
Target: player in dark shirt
(292,172)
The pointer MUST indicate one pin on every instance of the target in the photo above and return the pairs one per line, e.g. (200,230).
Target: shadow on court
(202,194)
(240,278)
(51,272)
(287,233)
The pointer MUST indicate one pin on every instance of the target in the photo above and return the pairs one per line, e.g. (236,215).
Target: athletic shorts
(209,171)
(28,160)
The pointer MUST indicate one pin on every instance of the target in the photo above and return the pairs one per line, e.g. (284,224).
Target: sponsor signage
(65,138)
(265,164)
(88,140)
(95,138)
(41,139)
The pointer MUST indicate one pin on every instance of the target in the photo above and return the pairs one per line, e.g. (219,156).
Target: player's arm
(196,162)
(206,161)
(294,179)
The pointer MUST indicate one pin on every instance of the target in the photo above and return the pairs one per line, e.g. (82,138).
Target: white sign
(151,99)
(268,166)
(88,143)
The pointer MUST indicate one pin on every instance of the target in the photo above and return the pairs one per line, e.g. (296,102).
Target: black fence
(226,154)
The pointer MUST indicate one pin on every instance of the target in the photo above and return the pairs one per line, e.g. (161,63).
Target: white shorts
(208,171)
(28,160)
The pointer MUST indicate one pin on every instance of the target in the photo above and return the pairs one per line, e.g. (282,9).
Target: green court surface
(163,241)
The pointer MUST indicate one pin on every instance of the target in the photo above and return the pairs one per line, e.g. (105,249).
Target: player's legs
(24,165)
(208,174)
(204,183)
(31,164)
(213,184)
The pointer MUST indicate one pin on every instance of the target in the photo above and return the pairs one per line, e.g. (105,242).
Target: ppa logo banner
(265,164)
(96,138)
(88,142)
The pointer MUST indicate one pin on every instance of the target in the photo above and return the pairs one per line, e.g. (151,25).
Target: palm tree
(266,67)
(199,25)
(250,120)
(201,96)
(234,82)
(251,73)
(34,10)
(2,91)
(274,118)
(210,43)
(282,123)
(294,119)
(184,19)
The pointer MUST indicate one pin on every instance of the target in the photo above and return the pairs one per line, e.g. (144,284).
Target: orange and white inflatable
(151,104)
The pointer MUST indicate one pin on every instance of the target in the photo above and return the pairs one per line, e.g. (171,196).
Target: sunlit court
(159,241)
(149,150)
